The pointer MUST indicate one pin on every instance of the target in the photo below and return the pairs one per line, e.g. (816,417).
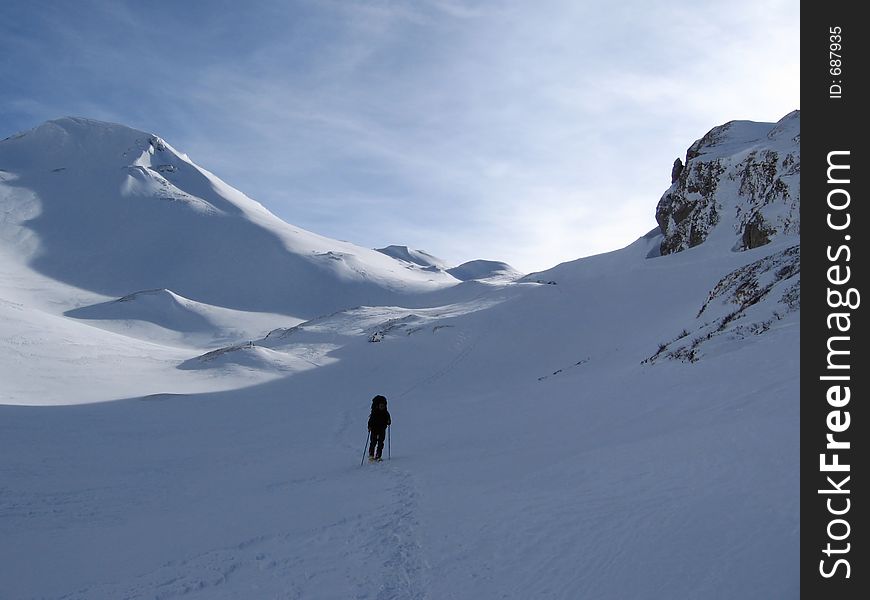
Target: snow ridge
(171,224)
(485,270)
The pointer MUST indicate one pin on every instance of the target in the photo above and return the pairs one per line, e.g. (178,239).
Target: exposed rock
(741,175)
(745,302)
(688,211)
(156,143)
(676,170)
(757,233)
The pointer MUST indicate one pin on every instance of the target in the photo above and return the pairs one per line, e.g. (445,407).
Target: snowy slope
(164,316)
(548,441)
(480,270)
(116,211)
(416,257)
(114,227)
(534,455)
(485,270)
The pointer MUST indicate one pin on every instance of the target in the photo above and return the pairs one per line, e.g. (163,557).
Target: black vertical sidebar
(834,264)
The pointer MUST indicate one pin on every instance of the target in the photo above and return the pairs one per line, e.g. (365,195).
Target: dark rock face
(757,233)
(761,178)
(688,211)
(676,170)
(741,175)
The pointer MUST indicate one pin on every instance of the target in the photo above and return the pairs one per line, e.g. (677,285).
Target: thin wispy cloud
(503,130)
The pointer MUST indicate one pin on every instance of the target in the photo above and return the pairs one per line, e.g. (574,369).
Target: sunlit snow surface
(206,442)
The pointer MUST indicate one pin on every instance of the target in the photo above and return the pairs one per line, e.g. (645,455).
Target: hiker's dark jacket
(379,420)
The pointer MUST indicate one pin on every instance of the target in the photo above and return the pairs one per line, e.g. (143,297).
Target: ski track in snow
(391,533)
(381,558)
(463,345)
(373,554)
(394,537)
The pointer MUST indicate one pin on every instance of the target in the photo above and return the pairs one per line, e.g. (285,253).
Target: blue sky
(530,132)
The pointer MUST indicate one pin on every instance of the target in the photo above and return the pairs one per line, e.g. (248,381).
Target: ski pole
(388,443)
(363,459)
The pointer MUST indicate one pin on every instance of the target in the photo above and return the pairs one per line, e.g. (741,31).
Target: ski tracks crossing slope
(373,554)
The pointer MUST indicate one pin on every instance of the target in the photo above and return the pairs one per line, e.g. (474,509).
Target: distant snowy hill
(474,270)
(164,316)
(116,211)
(625,425)
(417,257)
(485,270)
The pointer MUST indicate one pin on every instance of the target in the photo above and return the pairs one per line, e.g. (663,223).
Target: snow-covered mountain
(473,270)
(621,426)
(485,270)
(117,211)
(417,257)
(739,184)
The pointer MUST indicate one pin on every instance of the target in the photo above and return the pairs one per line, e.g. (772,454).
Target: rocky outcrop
(741,177)
(746,302)
(676,170)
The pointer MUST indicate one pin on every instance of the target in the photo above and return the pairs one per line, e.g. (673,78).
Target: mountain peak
(112,209)
(741,182)
(78,142)
(490,270)
(417,257)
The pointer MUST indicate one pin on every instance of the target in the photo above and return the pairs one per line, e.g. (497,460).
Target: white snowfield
(180,419)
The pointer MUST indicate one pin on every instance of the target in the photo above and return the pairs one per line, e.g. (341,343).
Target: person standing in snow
(379,420)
